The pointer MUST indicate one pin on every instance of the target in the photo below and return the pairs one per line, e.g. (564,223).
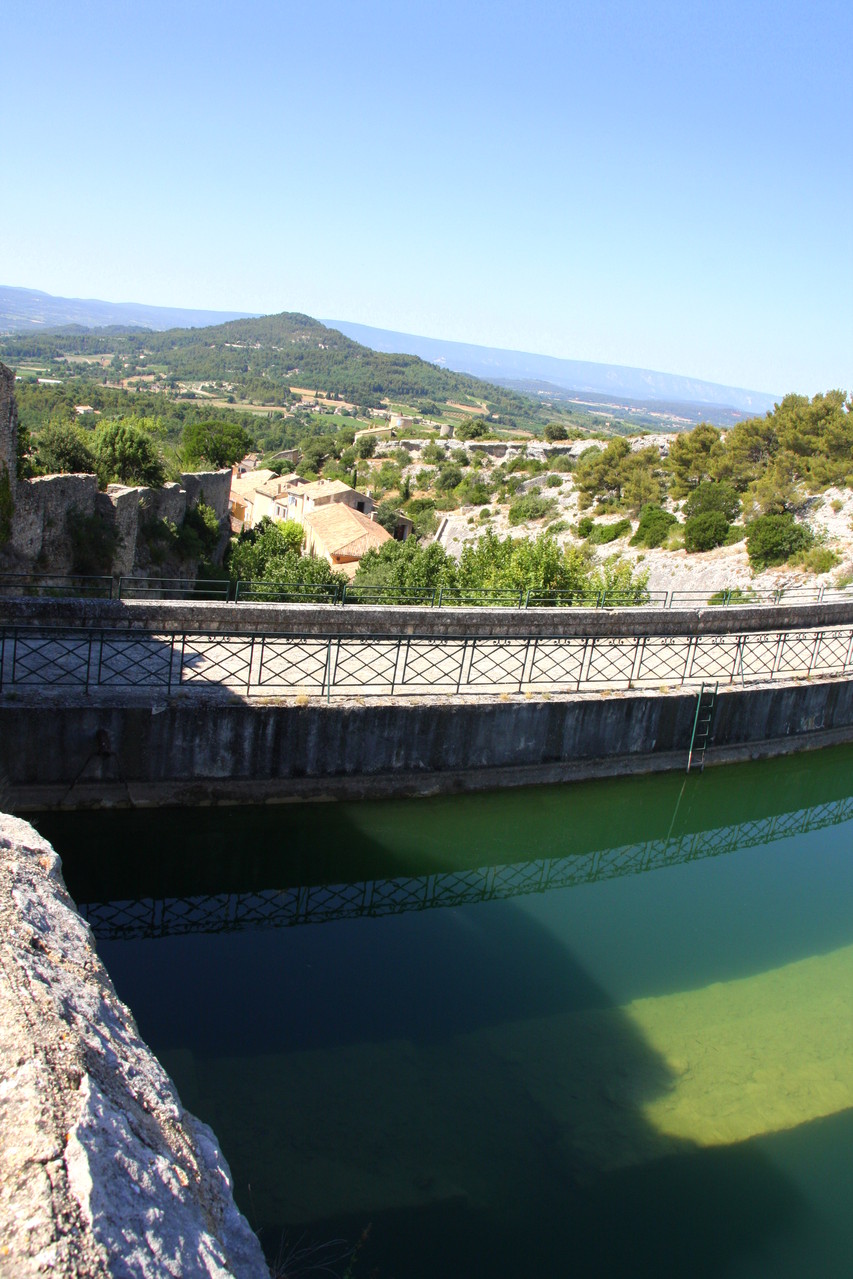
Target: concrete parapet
(212,617)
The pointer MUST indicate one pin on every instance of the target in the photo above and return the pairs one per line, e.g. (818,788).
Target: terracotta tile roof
(324,488)
(342,531)
(243,486)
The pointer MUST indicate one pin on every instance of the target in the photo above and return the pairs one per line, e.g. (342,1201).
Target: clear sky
(666,184)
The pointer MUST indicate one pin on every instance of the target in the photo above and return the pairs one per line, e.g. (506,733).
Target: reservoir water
(596,1030)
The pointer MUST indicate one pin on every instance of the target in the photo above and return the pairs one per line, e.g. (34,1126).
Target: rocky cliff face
(102,1171)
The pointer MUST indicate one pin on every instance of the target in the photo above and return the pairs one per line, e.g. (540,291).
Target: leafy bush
(654,527)
(125,454)
(448,477)
(601,534)
(432,453)
(704,532)
(200,521)
(772,539)
(387,515)
(554,481)
(365,446)
(62,449)
(472,430)
(562,462)
(218,443)
(530,465)
(531,507)
(735,596)
(817,559)
(255,550)
(713,495)
(556,431)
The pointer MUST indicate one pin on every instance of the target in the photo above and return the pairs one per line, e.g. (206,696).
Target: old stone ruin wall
(35,513)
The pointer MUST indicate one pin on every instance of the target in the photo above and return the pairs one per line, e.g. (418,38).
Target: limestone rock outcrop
(102,1171)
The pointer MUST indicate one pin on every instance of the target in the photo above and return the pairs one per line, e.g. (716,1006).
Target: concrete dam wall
(169,718)
(203,751)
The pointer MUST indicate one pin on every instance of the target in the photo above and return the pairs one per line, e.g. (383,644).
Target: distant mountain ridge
(28,310)
(506,367)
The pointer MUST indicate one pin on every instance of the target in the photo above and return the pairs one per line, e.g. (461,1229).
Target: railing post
(440,595)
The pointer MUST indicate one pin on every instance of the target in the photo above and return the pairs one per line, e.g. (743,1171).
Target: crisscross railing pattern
(386,665)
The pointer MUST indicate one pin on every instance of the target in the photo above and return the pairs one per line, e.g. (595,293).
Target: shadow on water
(457,1077)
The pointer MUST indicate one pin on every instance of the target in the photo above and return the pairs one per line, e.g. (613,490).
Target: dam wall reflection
(262,908)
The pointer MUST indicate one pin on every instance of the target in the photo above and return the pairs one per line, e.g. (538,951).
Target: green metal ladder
(702,721)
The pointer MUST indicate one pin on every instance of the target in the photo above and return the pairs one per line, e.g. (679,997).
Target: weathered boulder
(102,1171)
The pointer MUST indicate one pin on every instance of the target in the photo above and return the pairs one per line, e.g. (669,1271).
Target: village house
(341,535)
(295,501)
(252,495)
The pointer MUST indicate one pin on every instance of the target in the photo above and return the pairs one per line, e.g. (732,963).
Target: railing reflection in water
(321,903)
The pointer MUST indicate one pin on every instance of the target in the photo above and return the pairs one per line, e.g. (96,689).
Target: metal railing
(324,903)
(171,588)
(60,586)
(55,586)
(381,665)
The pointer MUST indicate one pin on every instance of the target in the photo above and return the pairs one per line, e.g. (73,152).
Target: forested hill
(262,358)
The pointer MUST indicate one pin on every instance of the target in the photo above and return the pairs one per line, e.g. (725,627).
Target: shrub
(125,454)
(772,539)
(432,453)
(735,596)
(448,478)
(817,559)
(712,496)
(556,431)
(704,532)
(531,507)
(365,446)
(554,481)
(603,533)
(563,462)
(200,521)
(220,444)
(472,430)
(63,450)
(654,527)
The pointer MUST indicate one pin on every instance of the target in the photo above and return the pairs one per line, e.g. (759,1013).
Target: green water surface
(595,1030)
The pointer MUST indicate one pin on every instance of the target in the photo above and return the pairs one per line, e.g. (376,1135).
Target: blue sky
(666,184)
